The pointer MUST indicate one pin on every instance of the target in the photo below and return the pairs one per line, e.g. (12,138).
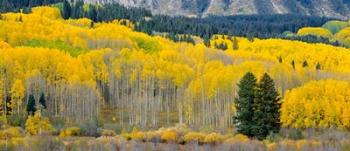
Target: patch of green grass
(57,44)
(149,45)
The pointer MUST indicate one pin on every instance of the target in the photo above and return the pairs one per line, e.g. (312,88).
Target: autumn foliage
(150,81)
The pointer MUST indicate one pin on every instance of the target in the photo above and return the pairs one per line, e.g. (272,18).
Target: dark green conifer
(266,109)
(244,104)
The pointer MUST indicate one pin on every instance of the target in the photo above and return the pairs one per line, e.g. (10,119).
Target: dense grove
(245,25)
(138,75)
(69,77)
(333,32)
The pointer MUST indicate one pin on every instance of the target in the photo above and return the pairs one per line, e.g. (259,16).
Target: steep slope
(327,8)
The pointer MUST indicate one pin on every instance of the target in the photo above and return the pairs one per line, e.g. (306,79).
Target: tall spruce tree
(244,104)
(235,45)
(31,105)
(42,100)
(266,108)
(67,10)
(318,66)
(305,64)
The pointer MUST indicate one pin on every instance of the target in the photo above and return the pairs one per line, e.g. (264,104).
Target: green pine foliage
(31,105)
(257,107)
(66,10)
(305,64)
(318,66)
(244,104)
(293,64)
(42,100)
(235,44)
(266,109)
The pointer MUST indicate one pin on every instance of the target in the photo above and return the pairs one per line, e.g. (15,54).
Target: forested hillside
(335,32)
(199,8)
(123,75)
(62,77)
(262,26)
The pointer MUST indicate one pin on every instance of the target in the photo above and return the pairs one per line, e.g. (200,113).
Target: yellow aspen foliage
(137,135)
(344,36)
(317,104)
(315,31)
(48,12)
(81,22)
(17,96)
(37,124)
(54,65)
(4,45)
(11,132)
(214,138)
(70,131)
(169,136)
(194,137)
(146,76)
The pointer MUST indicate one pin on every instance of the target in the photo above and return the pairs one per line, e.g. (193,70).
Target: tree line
(257,107)
(25,5)
(260,26)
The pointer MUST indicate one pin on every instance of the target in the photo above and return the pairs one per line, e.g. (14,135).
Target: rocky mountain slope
(328,8)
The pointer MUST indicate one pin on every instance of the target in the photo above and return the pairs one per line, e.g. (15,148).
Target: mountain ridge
(200,8)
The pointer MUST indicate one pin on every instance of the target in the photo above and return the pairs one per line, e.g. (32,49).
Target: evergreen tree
(92,14)
(244,104)
(235,44)
(42,100)
(92,24)
(206,40)
(318,66)
(31,105)
(250,38)
(280,60)
(20,18)
(67,10)
(266,109)
(305,64)
(293,64)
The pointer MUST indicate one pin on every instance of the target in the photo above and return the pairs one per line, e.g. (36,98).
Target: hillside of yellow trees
(84,68)
(334,31)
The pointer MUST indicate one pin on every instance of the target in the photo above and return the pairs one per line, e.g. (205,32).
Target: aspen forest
(81,84)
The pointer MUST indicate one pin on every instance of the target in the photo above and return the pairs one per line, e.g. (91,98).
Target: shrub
(214,138)
(108,133)
(141,136)
(271,146)
(125,134)
(181,129)
(152,136)
(169,136)
(4,45)
(236,139)
(90,128)
(70,131)
(273,137)
(37,124)
(194,137)
(16,120)
(11,132)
